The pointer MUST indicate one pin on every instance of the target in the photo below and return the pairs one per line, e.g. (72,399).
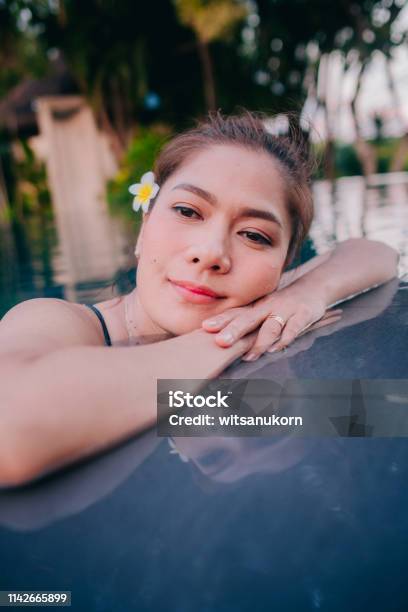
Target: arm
(59,404)
(306,293)
(353,266)
(291,276)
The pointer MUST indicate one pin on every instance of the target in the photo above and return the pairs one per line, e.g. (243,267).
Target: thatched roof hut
(17,108)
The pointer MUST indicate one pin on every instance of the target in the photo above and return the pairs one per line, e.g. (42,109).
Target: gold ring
(277,318)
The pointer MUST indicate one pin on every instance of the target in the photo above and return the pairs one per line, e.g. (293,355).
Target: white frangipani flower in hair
(144,192)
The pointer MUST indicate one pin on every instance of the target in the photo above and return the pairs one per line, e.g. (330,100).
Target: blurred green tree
(20,55)
(138,62)
(210,20)
(294,39)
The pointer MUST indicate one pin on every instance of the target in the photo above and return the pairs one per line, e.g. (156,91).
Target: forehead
(235,176)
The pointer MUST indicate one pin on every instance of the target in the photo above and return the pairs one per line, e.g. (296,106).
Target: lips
(194,294)
(198,289)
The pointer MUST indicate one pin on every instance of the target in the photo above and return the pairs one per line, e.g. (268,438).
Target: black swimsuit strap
(102,321)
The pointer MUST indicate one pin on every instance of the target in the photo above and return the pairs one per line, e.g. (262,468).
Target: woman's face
(219,222)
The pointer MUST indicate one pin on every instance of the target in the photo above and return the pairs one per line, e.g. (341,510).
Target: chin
(180,324)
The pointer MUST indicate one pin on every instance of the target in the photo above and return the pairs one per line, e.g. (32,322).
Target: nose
(211,254)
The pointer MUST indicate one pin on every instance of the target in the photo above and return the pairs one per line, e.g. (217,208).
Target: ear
(139,242)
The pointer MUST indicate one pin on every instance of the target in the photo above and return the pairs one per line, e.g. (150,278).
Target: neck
(141,329)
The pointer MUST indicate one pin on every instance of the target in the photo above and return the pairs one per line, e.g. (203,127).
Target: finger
(248,341)
(295,327)
(282,343)
(323,323)
(334,311)
(271,331)
(268,333)
(328,314)
(292,329)
(214,324)
(241,325)
(325,320)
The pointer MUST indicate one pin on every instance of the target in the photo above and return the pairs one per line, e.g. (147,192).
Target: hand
(300,312)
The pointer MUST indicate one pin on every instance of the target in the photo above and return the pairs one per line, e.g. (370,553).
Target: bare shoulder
(41,325)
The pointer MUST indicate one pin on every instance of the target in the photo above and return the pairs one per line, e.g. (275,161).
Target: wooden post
(79,163)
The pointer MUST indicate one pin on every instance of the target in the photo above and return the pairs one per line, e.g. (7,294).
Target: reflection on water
(376,209)
(35,262)
(319,535)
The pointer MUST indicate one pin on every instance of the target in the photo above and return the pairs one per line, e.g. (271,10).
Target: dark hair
(248,130)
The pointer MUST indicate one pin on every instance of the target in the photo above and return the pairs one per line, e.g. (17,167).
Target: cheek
(164,235)
(261,279)
(157,246)
(154,263)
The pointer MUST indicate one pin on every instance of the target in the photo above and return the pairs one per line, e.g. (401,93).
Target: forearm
(78,401)
(352,267)
(293,275)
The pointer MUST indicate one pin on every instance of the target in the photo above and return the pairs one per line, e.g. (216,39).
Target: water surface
(33,262)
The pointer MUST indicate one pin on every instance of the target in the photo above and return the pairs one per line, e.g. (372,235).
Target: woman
(232,209)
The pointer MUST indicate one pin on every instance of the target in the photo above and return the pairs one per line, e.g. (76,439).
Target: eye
(257,238)
(185,211)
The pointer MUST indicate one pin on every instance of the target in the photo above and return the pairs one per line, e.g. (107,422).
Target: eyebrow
(244,212)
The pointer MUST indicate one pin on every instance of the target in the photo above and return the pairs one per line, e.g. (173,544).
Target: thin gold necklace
(131,326)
